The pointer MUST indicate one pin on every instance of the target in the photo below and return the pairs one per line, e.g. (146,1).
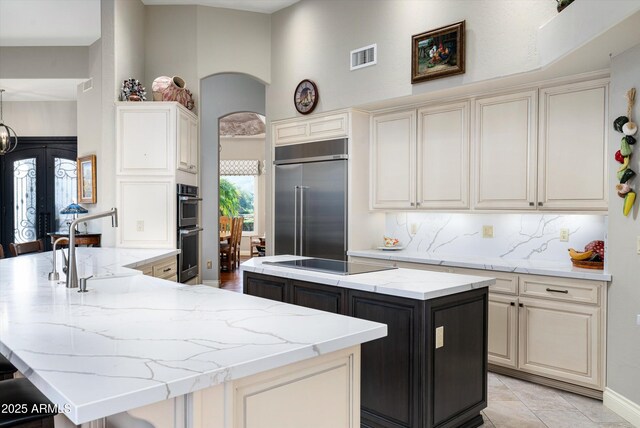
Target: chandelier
(8,137)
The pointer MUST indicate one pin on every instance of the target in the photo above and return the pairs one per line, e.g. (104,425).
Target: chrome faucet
(54,275)
(72,268)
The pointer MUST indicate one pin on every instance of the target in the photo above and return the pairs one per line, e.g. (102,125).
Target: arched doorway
(220,95)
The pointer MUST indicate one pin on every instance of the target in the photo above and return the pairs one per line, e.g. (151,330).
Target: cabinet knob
(417,204)
(539,204)
(512,303)
(412,204)
(531,204)
(521,305)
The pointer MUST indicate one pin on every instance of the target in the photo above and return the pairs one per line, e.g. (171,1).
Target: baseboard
(622,406)
(211,283)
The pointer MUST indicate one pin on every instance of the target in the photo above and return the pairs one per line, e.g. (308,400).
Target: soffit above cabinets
(49,23)
(261,6)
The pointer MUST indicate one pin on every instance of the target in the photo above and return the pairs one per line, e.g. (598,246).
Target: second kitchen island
(431,369)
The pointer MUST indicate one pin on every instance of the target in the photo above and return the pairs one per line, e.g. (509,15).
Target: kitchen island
(431,369)
(139,347)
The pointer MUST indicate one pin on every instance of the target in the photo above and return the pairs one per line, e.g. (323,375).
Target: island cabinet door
(268,287)
(391,375)
(321,297)
(456,343)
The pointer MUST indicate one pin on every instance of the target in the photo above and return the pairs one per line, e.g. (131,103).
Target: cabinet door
(443,156)
(393,160)
(145,139)
(505,155)
(560,340)
(268,287)
(573,140)
(315,296)
(503,330)
(390,380)
(184,150)
(194,146)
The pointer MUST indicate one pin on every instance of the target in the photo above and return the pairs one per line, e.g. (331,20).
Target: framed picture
(87,180)
(437,53)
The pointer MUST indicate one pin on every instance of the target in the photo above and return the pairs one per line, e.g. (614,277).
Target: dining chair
(225,224)
(227,249)
(1,252)
(237,240)
(26,247)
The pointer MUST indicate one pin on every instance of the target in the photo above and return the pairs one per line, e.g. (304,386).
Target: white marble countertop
(533,267)
(133,340)
(410,283)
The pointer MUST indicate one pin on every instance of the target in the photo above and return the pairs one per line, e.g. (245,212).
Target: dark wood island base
(431,369)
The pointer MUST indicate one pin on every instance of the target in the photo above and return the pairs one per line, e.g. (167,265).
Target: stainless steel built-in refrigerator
(311,199)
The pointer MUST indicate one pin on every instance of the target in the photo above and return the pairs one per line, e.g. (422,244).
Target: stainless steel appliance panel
(188,243)
(288,179)
(323,206)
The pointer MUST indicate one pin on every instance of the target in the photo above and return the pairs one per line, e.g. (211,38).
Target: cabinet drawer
(506,283)
(146,269)
(290,132)
(564,289)
(165,269)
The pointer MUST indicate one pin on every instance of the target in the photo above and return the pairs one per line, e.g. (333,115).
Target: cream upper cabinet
(155,138)
(443,156)
(505,151)
(187,159)
(316,128)
(393,160)
(572,161)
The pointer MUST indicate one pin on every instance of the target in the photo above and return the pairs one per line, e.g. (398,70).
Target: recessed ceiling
(262,6)
(243,124)
(49,22)
(40,89)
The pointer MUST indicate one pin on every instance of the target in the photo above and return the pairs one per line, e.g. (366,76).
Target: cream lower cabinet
(560,340)
(503,330)
(166,268)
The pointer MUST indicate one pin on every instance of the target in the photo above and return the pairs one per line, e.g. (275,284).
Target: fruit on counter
(625,164)
(619,123)
(597,247)
(625,148)
(390,242)
(630,139)
(626,175)
(580,255)
(623,189)
(629,199)
(618,156)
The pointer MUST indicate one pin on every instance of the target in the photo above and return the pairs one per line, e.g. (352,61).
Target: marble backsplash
(515,236)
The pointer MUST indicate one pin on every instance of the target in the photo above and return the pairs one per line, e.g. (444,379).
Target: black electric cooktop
(336,267)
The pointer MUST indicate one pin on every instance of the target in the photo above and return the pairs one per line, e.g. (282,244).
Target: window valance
(240,167)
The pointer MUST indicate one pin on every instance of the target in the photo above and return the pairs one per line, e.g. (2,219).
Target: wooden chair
(26,248)
(225,224)
(238,241)
(229,251)
(1,252)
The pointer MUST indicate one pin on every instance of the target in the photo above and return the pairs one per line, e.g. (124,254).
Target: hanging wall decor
(626,126)
(438,53)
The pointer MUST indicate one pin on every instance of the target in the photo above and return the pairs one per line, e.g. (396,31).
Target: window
(239,191)
(246,186)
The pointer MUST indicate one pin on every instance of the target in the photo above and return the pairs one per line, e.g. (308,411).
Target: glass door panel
(65,190)
(24,201)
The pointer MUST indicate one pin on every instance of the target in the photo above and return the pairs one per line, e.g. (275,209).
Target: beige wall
(41,118)
(312,39)
(129,36)
(43,62)
(249,148)
(623,334)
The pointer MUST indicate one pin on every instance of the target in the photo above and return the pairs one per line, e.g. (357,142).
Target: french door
(38,181)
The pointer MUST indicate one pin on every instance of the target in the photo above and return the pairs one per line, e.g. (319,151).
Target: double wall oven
(188,232)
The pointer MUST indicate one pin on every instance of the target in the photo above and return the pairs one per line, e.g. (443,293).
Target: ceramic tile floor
(515,403)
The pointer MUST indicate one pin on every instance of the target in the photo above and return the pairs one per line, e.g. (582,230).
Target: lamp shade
(74,209)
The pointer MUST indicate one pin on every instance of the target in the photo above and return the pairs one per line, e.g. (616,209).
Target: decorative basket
(584,264)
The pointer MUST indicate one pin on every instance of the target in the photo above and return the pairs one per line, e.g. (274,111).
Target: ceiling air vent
(364,57)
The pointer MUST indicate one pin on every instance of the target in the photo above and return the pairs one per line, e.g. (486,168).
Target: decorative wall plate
(306,96)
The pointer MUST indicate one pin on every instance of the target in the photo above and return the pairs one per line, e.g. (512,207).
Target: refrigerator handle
(295,220)
(302,217)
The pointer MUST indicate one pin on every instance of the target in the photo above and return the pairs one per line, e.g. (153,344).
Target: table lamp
(74,209)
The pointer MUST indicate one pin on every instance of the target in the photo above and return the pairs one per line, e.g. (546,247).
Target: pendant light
(8,137)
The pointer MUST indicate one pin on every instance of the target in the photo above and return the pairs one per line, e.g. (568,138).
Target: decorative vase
(167,88)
